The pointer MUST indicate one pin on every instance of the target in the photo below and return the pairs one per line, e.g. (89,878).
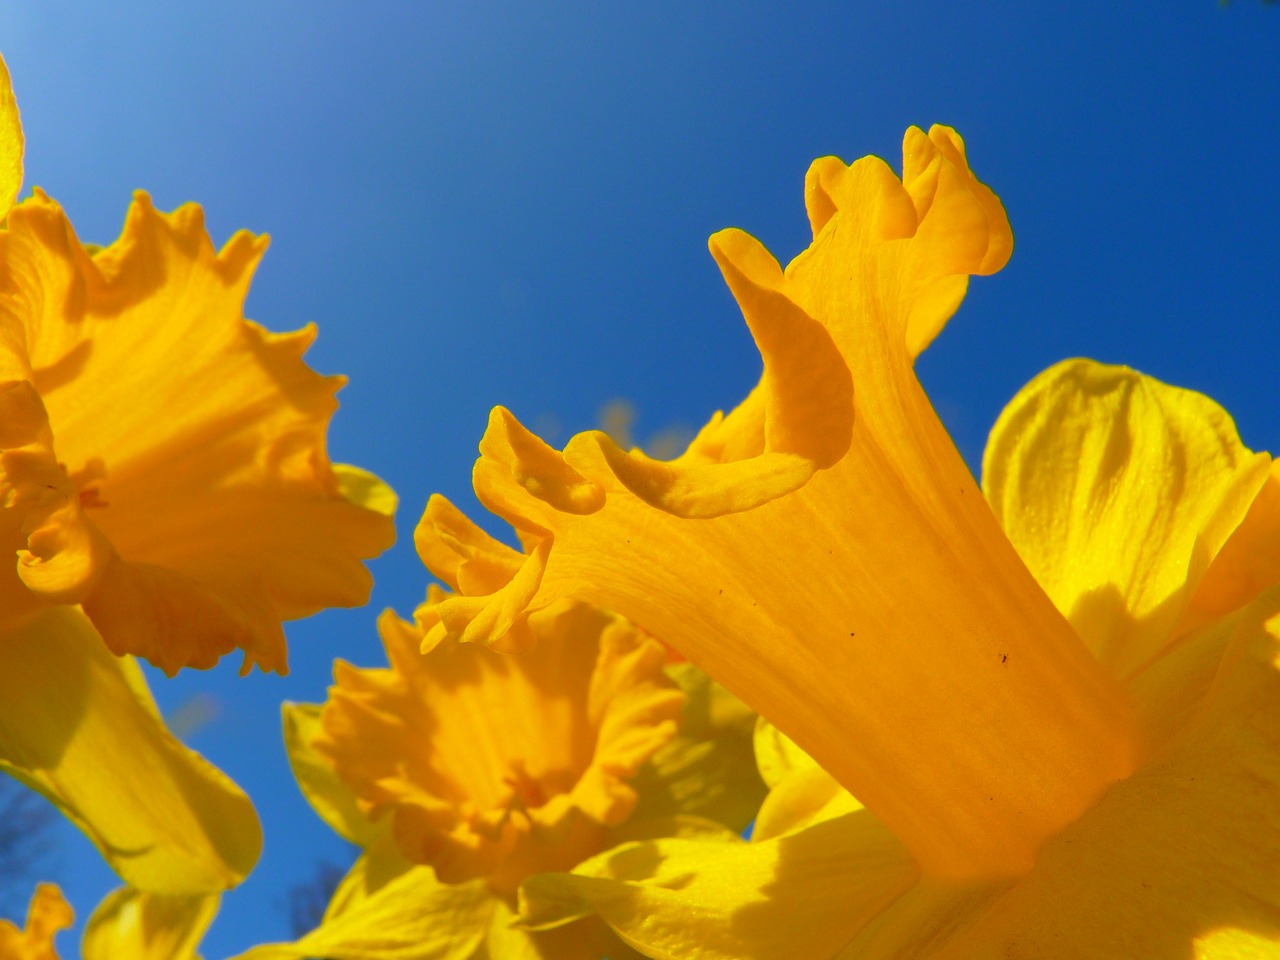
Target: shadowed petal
(78,725)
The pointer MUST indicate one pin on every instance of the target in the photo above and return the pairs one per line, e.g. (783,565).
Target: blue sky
(488,203)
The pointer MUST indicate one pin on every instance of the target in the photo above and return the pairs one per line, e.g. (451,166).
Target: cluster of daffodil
(1036,718)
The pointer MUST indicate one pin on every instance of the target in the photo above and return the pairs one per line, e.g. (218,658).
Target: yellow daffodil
(1056,705)
(165,492)
(463,772)
(127,925)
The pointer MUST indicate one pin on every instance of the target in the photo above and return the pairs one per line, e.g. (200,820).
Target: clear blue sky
(485,202)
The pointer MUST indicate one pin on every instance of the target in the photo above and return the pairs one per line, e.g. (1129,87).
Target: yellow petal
(77,725)
(803,895)
(801,801)
(10,143)
(801,793)
(374,869)
(823,551)
(1118,491)
(175,481)
(588,939)
(48,913)
(1236,945)
(331,799)
(777,755)
(131,925)
(414,917)
(707,770)
(1248,562)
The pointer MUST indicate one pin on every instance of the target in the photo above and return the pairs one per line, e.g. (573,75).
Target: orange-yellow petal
(492,765)
(1118,491)
(823,551)
(1183,852)
(190,505)
(10,143)
(48,913)
(78,725)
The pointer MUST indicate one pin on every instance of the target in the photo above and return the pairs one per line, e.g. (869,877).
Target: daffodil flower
(127,925)
(1055,704)
(165,492)
(463,772)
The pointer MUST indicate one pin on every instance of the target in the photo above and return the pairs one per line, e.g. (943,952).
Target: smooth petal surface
(1180,854)
(414,917)
(132,925)
(46,916)
(77,724)
(1118,491)
(804,895)
(192,506)
(10,143)
(823,550)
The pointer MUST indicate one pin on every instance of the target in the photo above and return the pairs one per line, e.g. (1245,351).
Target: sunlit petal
(170,475)
(10,143)
(803,895)
(1118,491)
(404,920)
(822,550)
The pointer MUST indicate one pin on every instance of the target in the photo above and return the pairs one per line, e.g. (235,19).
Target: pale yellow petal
(10,143)
(1118,491)
(1232,944)
(330,798)
(804,895)
(380,864)
(77,725)
(1248,562)
(131,925)
(414,917)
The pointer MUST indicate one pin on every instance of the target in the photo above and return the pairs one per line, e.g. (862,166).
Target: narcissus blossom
(463,772)
(127,925)
(164,491)
(1055,704)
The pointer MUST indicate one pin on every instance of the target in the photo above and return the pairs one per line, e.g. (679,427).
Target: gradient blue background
(483,203)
